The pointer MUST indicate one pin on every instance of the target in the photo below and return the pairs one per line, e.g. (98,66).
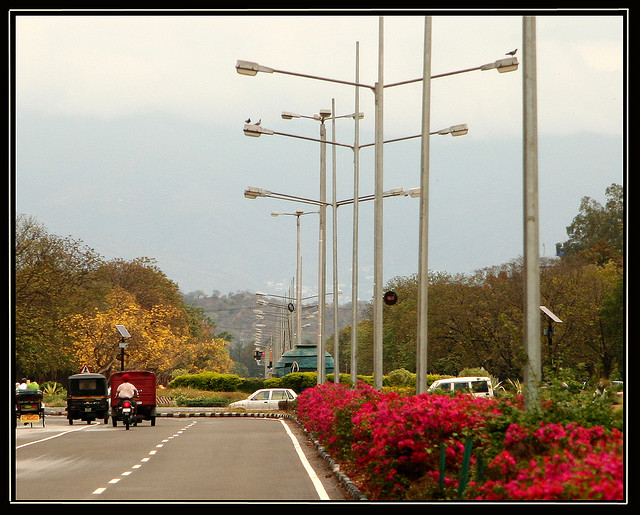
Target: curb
(183,414)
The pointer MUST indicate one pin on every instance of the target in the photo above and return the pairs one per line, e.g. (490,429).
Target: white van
(478,386)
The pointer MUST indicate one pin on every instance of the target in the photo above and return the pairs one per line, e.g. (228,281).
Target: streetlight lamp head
(413,193)
(255,131)
(455,130)
(459,130)
(251,68)
(509,64)
(325,113)
(502,65)
(286,115)
(252,192)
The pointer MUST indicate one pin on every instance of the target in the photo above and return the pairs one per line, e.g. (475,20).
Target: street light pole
(334,220)
(423,251)
(533,368)
(322,252)
(377,215)
(298,213)
(354,254)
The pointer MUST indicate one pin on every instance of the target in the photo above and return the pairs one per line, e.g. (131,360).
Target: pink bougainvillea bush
(398,438)
(326,411)
(394,445)
(556,462)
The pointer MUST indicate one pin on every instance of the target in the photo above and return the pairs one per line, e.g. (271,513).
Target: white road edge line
(56,435)
(305,463)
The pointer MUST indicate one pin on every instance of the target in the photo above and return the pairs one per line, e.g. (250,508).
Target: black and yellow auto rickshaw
(29,407)
(87,398)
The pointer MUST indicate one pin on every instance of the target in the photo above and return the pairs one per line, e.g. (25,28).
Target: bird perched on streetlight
(248,120)
(258,122)
(513,52)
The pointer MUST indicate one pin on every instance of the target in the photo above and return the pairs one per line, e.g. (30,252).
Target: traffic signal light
(258,355)
(390,298)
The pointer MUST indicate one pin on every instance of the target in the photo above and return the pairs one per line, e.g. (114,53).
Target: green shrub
(298,381)
(399,377)
(212,381)
(52,388)
(273,382)
(250,384)
(344,379)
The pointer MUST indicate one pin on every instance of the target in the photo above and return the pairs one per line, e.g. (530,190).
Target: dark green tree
(596,234)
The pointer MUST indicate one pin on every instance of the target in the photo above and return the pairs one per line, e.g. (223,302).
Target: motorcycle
(145,402)
(127,413)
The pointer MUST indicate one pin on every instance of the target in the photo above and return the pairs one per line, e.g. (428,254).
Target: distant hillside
(234,313)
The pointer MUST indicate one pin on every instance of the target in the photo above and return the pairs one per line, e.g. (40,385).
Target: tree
(476,321)
(54,277)
(613,325)
(68,300)
(158,335)
(161,338)
(596,233)
(143,279)
(209,355)
(592,324)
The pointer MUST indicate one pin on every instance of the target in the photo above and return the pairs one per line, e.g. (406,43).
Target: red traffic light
(390,298)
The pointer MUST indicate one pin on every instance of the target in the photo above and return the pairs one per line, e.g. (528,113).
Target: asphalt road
(201,459)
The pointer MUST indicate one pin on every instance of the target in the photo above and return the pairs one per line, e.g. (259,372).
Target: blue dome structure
(302,358)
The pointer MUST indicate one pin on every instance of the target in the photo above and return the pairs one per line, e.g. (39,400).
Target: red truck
(145,382)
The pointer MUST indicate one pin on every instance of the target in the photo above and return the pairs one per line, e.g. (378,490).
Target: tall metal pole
(322,254)
(334,205)
(533,368)
(298,284)
(423,251)
(354,257)
(378,253)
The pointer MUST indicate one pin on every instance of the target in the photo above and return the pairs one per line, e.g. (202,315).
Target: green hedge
(208,381)
(297,381)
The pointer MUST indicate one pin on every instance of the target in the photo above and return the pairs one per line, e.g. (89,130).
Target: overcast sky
(129,136)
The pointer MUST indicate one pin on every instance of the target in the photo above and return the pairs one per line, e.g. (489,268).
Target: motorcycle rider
(126,390)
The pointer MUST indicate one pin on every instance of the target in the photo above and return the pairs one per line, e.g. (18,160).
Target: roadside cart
(29,407)
(87,398)
(145,382)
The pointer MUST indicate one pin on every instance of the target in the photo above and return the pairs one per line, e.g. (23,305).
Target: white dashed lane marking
(126,473)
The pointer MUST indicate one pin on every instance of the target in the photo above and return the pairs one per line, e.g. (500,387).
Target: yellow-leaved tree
(210,354)
(159,335)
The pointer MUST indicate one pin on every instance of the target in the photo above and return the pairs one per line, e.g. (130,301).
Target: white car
(478,386)
(265,399)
